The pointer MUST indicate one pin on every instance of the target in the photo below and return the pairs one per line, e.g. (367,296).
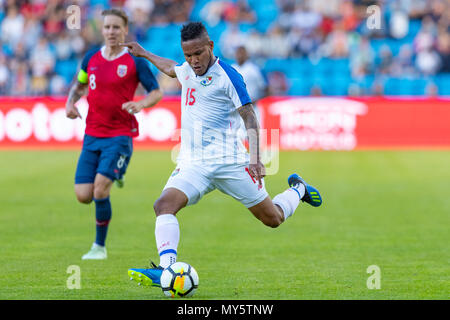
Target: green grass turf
(389,209)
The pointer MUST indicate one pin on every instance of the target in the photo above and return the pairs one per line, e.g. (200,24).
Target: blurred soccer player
(214,97)
(254,80)
(110,75)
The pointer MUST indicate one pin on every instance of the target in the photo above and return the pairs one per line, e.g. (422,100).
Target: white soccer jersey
(209,116)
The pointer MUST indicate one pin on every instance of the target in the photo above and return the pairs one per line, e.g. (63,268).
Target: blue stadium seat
(299,87)
(414,27)
(442,81)
(403,86)
(67,69)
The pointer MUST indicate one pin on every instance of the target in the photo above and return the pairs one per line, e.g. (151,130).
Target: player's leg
(274,212)
(115,154)
(234,180)
(85,175)
(103,212)
(167,230)
(185,187)
(268,213)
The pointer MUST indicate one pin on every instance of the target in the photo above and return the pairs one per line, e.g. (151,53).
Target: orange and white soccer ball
(179,280)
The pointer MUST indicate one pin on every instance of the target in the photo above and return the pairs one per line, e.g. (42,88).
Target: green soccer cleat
(97,252)
(147,277)
(312,195)
(120,182)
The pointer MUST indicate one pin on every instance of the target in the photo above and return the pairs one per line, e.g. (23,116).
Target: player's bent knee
(102,187)
(163,206)
(170,201)
(84,197)
(272,222)
(84,193)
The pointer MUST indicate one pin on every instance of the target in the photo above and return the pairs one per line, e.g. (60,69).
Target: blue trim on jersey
(167,251)
(87,57)
(238,82)
(145,75)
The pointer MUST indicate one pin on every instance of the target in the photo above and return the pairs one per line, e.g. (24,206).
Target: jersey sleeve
(83,73)
(235,87)
(145,75)
(180,71)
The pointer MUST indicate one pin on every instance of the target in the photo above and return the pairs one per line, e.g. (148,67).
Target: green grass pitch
(389,209)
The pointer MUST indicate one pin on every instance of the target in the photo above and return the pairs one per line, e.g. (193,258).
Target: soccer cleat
(97,252)
(120,182)
(312,195)
(147,277)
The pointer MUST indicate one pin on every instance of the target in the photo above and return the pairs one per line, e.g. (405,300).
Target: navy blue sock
(102,216)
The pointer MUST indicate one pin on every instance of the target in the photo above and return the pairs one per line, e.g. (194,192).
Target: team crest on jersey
(122,70)
(207,81)
(175,172)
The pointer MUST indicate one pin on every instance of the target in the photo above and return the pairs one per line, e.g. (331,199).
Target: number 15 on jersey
(190,98)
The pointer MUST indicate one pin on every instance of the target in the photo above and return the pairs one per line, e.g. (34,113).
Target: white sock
(289,200)
(167,235)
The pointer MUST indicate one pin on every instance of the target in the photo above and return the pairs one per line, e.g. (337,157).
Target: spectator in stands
(305,19)
(337,42)
(238,12)
(301,43)
(42,62)
(277,83)
(140,25)
(33,30)
(12,27)
(20,78)
(403,63)
(443,48)
(276,43)
(362,58)
(384,66)
(399,21)
(231,39)
(4,75)
(431,90)
(144,6)
(428,61)
(255,44)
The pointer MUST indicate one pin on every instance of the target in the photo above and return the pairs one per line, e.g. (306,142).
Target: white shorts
(196,180)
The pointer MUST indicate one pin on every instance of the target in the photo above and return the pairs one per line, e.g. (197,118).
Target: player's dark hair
(193,30)
(116,12)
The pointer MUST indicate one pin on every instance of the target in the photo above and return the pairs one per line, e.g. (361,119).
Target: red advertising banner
(298,123)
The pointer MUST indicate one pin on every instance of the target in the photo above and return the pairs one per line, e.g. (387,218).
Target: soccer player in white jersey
(213,99)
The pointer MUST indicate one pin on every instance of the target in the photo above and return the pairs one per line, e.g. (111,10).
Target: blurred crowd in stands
(413,39)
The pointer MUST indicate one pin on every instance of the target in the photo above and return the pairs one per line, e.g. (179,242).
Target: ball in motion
(179,280)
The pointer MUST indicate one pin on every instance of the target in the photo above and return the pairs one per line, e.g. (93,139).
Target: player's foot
(312,195)
(147,277)
(97,252)
(120,182)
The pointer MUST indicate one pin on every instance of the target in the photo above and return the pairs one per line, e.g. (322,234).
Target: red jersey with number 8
(111,83)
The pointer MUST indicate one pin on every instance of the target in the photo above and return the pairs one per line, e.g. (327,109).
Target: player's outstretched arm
(147,102)
(163,64)
(256,168)
(77,90)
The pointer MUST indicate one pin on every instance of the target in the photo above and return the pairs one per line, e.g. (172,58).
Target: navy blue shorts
(107,156)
